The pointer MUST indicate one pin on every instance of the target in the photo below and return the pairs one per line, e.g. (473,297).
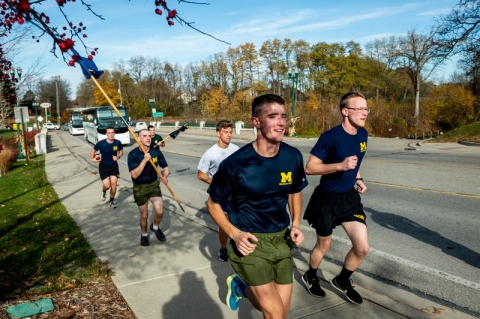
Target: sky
(131,28)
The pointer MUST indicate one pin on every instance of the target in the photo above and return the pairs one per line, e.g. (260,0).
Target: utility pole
(120,92)
(58,103)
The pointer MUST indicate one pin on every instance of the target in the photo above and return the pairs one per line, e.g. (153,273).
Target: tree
(449,106)
(420,57)
(85,94)
(458,33)
(46,92)
(459,28)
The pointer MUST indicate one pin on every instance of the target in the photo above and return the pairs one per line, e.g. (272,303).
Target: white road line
(409,263)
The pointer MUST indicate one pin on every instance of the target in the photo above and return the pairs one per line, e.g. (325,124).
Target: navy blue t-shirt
(256,188)
(148,175)
(333,146)
(108,150)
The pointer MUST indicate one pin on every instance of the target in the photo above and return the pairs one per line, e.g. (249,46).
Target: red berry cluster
(171,13)
(21,11)
(14,11)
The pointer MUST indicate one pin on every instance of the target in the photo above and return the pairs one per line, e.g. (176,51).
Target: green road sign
(158,114)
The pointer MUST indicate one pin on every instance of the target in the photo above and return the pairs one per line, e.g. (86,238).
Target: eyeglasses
(359,109)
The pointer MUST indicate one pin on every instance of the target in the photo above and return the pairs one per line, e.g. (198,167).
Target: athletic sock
(240,289)
(312,272)
(146,234)
(344,276)
(154,227)
(111,199)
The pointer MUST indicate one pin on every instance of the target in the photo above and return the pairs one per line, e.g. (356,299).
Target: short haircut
(223,124)
(348,96)
(261,100)
(110,128)
(150,126)
(143,129)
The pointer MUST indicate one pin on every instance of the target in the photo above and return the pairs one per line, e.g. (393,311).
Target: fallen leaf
(437,310)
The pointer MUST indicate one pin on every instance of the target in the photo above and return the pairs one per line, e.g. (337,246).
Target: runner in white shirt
(208,166)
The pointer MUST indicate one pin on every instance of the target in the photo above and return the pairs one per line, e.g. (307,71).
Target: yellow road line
(424,189)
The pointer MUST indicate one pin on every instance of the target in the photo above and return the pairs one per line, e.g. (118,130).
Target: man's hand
(245,242)
(349,163)
(147,157)
(361,187)
(296,235)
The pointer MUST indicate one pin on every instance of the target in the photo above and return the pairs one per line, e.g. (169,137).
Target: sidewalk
(182,277)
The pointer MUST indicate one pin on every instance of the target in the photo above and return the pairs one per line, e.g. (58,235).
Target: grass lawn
(41,248)
(467,133)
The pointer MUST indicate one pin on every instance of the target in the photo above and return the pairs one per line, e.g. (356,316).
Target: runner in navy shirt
(109,152)
(258,182)
(336,201)
(146,185)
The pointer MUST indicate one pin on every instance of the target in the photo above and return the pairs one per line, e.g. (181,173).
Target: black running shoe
(313,285)
(112,204)
(144,241)
(223,254)
(351,294)
(160,235)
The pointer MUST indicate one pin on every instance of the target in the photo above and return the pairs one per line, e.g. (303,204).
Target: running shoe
(223,254)
(103,197)
(313,285)
(111,204)
(233,298)
(160,235)
(348,290)
(144,241)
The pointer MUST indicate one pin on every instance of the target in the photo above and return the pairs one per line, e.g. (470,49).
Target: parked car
(51,126)
(66,126)
(137,126)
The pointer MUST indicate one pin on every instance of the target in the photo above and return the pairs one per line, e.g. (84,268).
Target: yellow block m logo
(115,148)
(286,178)
(363,147)
(154,160)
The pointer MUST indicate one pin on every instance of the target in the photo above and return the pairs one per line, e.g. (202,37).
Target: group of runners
(250,189)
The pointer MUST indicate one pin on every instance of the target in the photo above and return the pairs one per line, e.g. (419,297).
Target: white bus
(76,124)
(96,120)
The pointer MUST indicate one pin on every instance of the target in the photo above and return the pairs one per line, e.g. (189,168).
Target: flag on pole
(88,66)
(175,133)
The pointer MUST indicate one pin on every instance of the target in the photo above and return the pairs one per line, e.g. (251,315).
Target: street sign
(158,114)
(154,110)
(19,111)
(45,105)
(40,118)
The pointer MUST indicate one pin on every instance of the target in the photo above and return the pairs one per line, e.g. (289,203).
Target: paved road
(416,238)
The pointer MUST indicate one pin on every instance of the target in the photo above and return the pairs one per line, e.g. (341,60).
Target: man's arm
(139,169)
(119,154)
(93,157)
(361,187)
(165,173)
(315,166)
(204,177)
(295,208)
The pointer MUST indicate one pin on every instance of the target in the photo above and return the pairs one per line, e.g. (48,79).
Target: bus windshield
(108,118)
(77,120)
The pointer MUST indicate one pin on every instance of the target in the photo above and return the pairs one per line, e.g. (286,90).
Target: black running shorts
(108,170)
(326,210)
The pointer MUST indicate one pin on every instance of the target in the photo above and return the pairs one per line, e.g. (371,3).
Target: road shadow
(413,229)
(192,291)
